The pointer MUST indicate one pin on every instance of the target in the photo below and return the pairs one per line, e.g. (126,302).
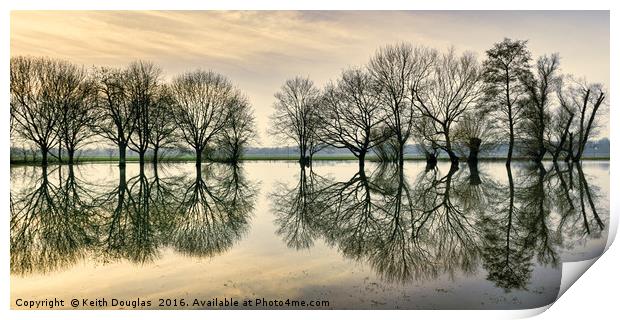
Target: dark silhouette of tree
(536,106)
(34,112)
(425,136)
(240,129)
(535,214)
(452,88)
(505,254)
(579,218)
(213,212)
(475,133)
(351,114)
(387,149)
(506,64)
(116,120)
(394,69)
(296,116)
(296,208)
(132,228)
(142,85)
(200,99)
(561,123)
(590,97)
(163,128)
(53,223)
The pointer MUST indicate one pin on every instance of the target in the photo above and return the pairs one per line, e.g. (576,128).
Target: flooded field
(390,237)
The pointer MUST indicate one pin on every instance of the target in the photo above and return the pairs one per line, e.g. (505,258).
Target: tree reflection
(52,222)
(296,209)
(505,255)
(59,219)
(213,211)
(137,218)
(444,223)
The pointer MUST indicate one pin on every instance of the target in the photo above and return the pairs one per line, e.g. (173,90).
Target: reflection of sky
(261,265)
(259,50)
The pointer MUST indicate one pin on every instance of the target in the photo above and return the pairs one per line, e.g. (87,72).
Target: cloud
(258,50)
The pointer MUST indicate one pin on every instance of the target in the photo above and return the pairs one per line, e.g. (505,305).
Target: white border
(592,296)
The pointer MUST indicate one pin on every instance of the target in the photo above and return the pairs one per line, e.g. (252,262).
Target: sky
(259,50)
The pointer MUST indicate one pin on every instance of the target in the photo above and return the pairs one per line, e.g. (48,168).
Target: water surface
(385,238)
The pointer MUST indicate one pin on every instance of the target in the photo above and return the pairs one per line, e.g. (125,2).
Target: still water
(389,238)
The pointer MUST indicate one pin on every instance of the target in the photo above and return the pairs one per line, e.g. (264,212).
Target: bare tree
(426,139)
(351,114)
(507,62)
(393,69)
(162,125)
(475,133)
(452,88)
(116,119)
(33,112)
(240,128)
(142,85)
(295,117)
(75,95)
(536,105)
(561,122)
(200,99)
(590,98)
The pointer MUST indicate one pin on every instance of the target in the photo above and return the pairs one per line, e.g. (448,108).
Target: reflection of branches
(295,208)
(51,225)
(131,230)
(504,256)
(403,233)
(444,225)
(213,212)
(575,202)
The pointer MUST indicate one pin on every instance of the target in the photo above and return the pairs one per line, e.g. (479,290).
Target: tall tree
(240,128)
(162,132)
(351,114)
(394,68)
(142,85)
(590,98)
(476,132)
(561,121)
(33,112)
(536,105)
(452,88)
(506,64)
(295,117)
(200,100)
(116,119)
(76,97)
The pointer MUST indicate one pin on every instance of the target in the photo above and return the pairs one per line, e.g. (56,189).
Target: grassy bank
(268,158)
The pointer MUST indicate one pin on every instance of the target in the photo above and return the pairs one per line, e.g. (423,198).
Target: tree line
(444,102)
(58,105)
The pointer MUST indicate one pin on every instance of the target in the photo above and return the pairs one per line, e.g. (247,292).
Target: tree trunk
(474,149)
(401,153)
(474,175)
(70,152)
(454,159)
(361,159)
(44,156)
(142,158)
(510,144)
(431,160)
(198,157)
(155,152)
(122,152)
(569,155)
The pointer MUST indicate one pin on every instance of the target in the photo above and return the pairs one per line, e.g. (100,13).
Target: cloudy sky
(259,50)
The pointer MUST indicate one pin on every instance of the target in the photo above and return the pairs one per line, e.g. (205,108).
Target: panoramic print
(305,159)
